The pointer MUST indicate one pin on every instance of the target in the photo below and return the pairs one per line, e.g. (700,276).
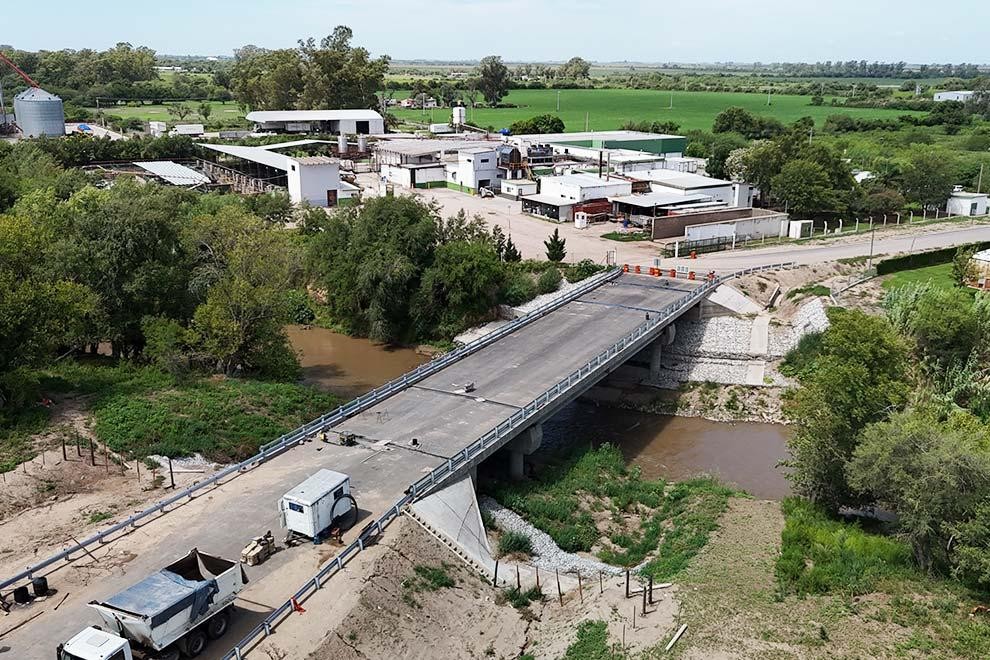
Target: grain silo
(39,113)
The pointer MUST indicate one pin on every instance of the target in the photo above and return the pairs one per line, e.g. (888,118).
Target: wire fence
(496,437)
(289,440)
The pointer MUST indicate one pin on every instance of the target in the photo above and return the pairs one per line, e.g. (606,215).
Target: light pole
(873,233)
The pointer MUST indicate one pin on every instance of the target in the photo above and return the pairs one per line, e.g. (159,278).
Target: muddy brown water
(348,366)
(742,454)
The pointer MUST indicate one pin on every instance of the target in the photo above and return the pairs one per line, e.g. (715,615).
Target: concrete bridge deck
(436,411)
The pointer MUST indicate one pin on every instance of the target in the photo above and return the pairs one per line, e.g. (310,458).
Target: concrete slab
(452,514)
(759,340)
(734,300)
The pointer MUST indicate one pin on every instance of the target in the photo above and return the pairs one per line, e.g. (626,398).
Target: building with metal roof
(589,143)
(173,173)
(731,193)
(314,180)
(360,122)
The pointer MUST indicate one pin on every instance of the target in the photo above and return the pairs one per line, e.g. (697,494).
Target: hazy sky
(639,30)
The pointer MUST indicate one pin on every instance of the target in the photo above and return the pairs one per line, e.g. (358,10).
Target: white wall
(569,189)
(964,205)
(722,194)
(310,183)
(774,226)
(518,187)
(471,168)
(742,195)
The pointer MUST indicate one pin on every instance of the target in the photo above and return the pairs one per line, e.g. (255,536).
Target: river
(742,454)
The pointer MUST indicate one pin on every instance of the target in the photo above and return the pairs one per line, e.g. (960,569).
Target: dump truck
(174,612)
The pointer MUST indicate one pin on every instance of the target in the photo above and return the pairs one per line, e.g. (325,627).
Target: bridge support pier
(666,338)
(523,445)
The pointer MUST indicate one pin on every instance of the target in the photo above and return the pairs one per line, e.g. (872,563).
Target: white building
(475,167)
(966,203)
(581,187)
(960,95)
(314,180)
(360,122)
(730,193)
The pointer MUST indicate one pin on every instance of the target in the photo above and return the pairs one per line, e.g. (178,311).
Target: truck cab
(95,644)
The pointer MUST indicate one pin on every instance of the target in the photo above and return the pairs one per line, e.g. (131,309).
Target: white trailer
(174,611)
(317,505)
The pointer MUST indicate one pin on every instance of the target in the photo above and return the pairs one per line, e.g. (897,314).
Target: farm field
(610,108)
(221,110)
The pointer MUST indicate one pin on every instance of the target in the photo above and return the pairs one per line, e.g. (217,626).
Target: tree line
(892,411)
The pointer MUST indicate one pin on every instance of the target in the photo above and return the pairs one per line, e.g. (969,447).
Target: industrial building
(960,95)
(314,180)
(729,193)
(39,113)
(330,122)
(563,198)
(438,163)
(961,202)
(590,144)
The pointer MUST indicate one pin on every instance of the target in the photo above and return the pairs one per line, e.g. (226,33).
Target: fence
(621,349)
(361,403)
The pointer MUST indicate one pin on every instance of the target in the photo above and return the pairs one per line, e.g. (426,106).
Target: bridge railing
(272,449)
(493,437)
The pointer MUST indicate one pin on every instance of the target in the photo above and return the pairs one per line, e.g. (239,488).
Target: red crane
(13,66)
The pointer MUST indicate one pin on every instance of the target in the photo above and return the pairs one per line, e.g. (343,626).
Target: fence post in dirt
(624,637)
(92,453)
(538,578)
(42,457)
(495,577)
(560,594)
(106,450)
(171,477)
(137,466)
(601,587)
(627,583)
(580,587)
(64,457)
(518,583)
(634,617)
(644,600)
(651,590)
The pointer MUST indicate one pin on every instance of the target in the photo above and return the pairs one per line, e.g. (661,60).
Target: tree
(459,289)
(933,473)
(179,110)
(493,79)
(576,68)
(963,268)
(927,178)
(537,125)
(204,110)
(556,246)
(805,186)
(856,378)
(944,327)
(339,75)
(511,254)
(739,120)
(884,201)
(39,309)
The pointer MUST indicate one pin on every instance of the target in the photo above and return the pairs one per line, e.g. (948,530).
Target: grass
(592,643)
(141,411)
(426,578)
(513,543)
(520,599)
(159,112)
(670,523)
(820,555)
(610,108)
(626,236)
(802,356)
(16,429)
(940,276)
(99,516)
(809,290)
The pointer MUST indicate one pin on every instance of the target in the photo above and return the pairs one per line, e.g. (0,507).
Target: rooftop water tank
(39,113)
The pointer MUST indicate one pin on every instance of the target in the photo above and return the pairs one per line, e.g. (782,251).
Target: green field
(940,276)
(609,108)
(228,110)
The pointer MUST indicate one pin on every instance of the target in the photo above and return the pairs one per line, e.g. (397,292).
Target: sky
(914,31)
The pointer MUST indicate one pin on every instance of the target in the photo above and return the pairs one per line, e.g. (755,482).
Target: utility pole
(587,116)
(768,96)
(558,100)
(979,181)
(873,233)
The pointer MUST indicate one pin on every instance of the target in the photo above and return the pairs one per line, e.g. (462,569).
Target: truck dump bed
(165,605)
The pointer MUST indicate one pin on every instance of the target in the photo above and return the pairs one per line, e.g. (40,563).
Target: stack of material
(258,550)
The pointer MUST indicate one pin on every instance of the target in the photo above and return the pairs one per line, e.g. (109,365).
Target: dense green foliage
(676,519)
(328,74)
(920,259)
(592,643)
(556,246)
(514,542)
(820,554)
(540,124)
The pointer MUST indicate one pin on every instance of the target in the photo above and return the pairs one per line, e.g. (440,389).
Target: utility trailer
(173,612)
(318,506)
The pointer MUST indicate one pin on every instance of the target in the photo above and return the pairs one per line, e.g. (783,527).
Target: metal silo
(39,113)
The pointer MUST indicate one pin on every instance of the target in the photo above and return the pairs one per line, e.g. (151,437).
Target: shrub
(518,289)
(301,308)
(514,542)
(549,281)
(582,270)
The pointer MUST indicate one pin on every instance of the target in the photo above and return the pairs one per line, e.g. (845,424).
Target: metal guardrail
(361,403)
(627,344)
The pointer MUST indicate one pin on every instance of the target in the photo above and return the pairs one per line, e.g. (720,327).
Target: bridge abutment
(523,445)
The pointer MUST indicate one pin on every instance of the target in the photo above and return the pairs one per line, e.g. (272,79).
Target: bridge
(404,440)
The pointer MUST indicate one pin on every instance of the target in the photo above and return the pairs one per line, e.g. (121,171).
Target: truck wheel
(194,643)
(217,626)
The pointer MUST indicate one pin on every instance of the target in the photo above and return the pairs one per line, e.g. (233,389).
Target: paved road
(507,375)
(528,233)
